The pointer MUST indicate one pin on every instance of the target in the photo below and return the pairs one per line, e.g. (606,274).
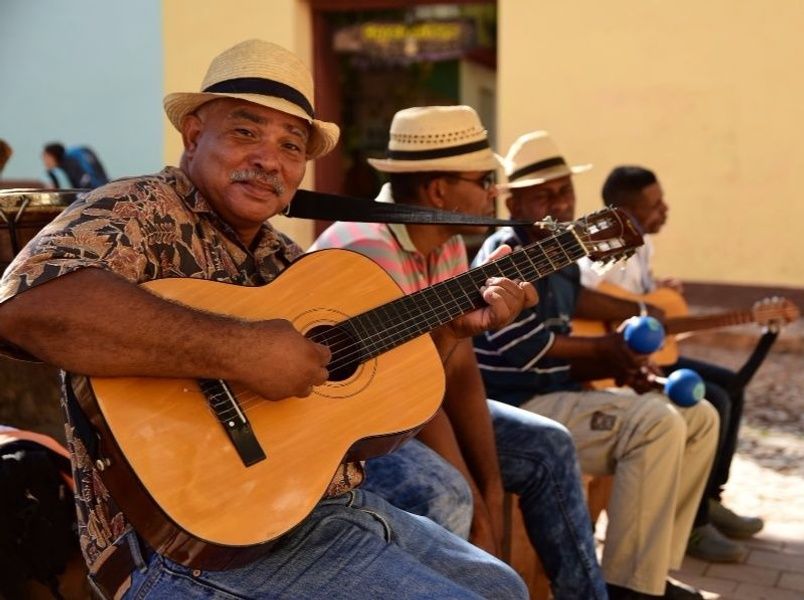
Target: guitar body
(771,313)
(669,300)
(179,453)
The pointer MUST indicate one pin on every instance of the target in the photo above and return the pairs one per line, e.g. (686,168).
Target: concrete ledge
(733,296)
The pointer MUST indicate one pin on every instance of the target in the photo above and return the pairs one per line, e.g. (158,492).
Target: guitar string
(246,398)
(529,272)
(532,269)
(524,271)
(394,327)
(249,398)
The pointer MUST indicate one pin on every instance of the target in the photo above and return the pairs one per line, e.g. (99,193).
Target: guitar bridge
(233,420)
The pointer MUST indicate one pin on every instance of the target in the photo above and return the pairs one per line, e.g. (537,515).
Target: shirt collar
(399,230)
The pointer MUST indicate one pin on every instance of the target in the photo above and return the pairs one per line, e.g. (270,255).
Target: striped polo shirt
(513,359)
(390,246)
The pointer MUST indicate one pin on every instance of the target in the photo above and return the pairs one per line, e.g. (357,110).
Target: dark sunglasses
(485,182)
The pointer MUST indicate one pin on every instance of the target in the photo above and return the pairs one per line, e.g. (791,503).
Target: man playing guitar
(71,298)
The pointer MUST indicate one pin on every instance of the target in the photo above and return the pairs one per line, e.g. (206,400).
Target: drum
(24,212)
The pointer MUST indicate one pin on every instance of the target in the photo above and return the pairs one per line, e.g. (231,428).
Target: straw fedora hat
(437,138)
(534,158)
(265,74)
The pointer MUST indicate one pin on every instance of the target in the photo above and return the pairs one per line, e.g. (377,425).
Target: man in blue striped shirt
(660,455)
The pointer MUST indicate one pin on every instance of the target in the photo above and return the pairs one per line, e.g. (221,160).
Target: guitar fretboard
(408,317)
(697,323)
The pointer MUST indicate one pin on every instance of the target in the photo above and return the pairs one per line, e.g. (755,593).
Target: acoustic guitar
(219,470)
(772,313)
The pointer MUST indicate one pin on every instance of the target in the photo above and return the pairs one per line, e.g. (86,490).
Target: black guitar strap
(307,204)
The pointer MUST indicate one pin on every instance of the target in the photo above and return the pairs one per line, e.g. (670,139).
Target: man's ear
(190,130)
(435,192)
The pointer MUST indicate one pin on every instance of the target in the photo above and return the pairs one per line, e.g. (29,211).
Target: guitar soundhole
(346,350)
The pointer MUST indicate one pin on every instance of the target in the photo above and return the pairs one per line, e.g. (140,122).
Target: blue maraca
(646,335)
(643,335)
(683,386)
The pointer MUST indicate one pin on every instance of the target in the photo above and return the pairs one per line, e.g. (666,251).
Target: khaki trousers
(660,456)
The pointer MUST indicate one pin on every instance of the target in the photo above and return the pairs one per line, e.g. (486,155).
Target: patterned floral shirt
(144,228)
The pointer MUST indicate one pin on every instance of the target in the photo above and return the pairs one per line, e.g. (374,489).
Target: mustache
(260,177)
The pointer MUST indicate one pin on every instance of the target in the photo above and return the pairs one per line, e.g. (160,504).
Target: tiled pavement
(774,567)
(773,490)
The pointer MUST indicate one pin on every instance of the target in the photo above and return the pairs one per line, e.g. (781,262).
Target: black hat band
(263,87)
(538,166)
(437,152)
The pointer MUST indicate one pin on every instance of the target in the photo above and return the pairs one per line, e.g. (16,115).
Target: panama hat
(437,138)
(265,74)
(534,158)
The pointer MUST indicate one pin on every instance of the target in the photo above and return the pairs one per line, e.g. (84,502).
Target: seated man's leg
(419,481)
(699,451)
(538,462)
(706,541)
(641,440)
(353,546)
(731,523)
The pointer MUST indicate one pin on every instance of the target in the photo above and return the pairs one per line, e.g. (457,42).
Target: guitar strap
(307,204)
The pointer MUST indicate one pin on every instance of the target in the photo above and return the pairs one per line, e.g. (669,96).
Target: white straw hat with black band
(437,138)
(534,158)
(263,73)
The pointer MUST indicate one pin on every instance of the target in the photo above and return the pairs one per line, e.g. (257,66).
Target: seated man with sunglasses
(439,157)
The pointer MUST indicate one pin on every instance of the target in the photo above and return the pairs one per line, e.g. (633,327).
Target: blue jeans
(352,546)
(537,462)
(419,481)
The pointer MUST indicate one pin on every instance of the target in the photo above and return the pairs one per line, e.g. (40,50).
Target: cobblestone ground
(767,476)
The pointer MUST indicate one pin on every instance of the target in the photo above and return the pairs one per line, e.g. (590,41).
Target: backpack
(37,511)
(85,166)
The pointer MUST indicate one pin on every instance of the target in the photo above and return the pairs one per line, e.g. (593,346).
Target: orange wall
(708,94)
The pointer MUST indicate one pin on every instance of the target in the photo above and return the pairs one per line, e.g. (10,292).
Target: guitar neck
(699,323)
(408,317)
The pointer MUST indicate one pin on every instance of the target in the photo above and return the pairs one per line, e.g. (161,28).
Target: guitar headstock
(775,312)
(608,235)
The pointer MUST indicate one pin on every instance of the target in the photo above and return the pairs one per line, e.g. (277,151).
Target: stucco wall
(708,94)
(86,72)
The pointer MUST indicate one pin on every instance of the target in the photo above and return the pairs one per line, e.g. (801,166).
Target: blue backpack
(92,173)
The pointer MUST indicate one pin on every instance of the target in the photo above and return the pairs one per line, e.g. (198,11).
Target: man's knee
(702,420)
(556,439)
(530,435)
(660,419)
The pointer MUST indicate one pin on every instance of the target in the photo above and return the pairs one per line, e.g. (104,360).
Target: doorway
(375,58)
